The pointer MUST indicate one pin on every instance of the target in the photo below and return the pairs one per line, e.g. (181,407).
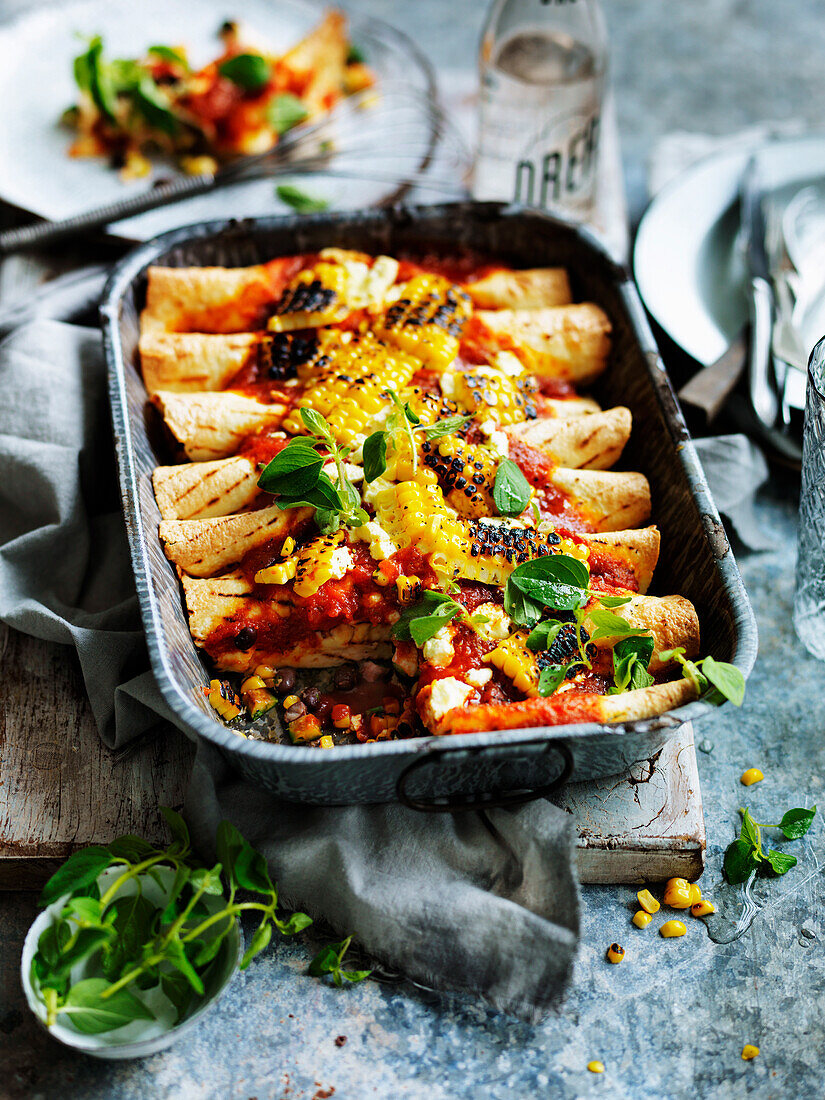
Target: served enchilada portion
(389,461)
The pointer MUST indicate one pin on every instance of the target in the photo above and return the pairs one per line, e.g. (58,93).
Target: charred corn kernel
(340,715)
(408,588)
(315,297)
(596,1067)
(517,662)
(492,394)
(647,901)
(326,742)
(695,893)
(198,166)
(642,919)
(288,546)
(305,728)
(224,700)
(615,953)
(289,701)
(380,577)
(325,558)
(465,472)
(427,320)
(702,908)
(677,894)
(672,928)
(252,682)
(751,776)
(266,673)
(280,573)
(749,1052)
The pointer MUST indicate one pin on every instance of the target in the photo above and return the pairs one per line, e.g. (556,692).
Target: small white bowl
(141,1037)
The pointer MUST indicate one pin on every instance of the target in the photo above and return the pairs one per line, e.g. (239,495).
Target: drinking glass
(809,601)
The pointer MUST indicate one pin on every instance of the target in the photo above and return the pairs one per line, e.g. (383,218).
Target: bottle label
(561,172)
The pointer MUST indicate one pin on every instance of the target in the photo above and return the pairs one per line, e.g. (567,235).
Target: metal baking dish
(474,769)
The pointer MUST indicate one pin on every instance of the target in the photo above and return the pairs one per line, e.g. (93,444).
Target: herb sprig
(420,621)
(296,475)
(403,424)
(133,944)
(745,855)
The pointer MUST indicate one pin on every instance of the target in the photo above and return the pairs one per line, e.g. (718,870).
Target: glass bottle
(542,66)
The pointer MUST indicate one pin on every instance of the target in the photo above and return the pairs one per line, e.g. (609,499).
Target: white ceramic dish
(142,1037)
(689,271)
(36,77)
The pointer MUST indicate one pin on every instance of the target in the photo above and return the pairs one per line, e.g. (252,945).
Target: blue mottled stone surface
(671,1020)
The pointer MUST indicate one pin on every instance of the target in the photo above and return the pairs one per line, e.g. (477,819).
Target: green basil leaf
(228,844)
(553,594)
(740,861)
(132,848)
(611,601)
(51,943)
(285,111)
(432,605)
(375,456)
(210,948)
(355,975)
(79,870)
(423,628)
(550,678)
(152,104)
(179,992)
(299,200)
(693,673)
(727,679)
(668,655)
(449,426)
(207,880)
(292,471)
(88,941)
(325,961)
(166,53)
(543,635)
(134,918)
(180,833)
(251,871)
(170,912)
(100,82)
(90,1013)
(297,923)
(249,71)
(631,657)
(511,489)
(779,862)
(750,831)
(83,910)
(795,823)
(176,955)
(263,935)
(608,625)
(81,65)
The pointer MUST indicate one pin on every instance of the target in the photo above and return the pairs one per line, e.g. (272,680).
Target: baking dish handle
(457,803)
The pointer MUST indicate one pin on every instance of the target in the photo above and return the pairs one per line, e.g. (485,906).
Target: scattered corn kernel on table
(673,1018)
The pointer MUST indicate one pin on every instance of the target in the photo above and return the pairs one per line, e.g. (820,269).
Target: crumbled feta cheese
(496,440)
(478,677)
(380,544)
(372,492)
(446,695)
(405,658)
(341,561)
(448,383)
(499,625)
(438,650)
(353,472)
(508,363)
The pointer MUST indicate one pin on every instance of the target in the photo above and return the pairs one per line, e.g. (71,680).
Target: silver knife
(762,384)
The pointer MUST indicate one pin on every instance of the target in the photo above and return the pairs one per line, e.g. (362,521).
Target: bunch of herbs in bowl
(137,941)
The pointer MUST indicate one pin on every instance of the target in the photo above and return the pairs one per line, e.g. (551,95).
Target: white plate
(36,85)
(690,273)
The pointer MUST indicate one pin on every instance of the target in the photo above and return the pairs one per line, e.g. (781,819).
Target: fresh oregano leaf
(91,1013)
(285,111)
(727,679)
(299,200)
(550,678)
(779,862)
(262,936)
(375,456)
(543,635)
(249,71)
(79,870)
(795,823)
(511,489)
(740,861)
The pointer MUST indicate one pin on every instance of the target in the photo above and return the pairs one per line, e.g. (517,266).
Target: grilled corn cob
(465,472)
(316,296)
(325,558)
(492,394)
(517,662)
(414,513)
(427,320)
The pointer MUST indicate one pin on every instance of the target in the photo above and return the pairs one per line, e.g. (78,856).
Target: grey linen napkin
(484,903)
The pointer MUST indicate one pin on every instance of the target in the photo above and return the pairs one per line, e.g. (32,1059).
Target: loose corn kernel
(648,902)
(280,573)
(252,682)
(596,1067)
(380,577)
(672,928)
(615,953)
(289,701)
(749,1051)
(695,893)
(677,894)
(702,908)
(266,673)
(340,715)
(288,546)
(326,742)
(642,919)
(408,588)
(751,776)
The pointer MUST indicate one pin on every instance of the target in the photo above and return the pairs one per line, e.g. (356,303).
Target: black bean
(246,637)
(284,679)
(345,677)
(323,710)
(297,710)
(311,696)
